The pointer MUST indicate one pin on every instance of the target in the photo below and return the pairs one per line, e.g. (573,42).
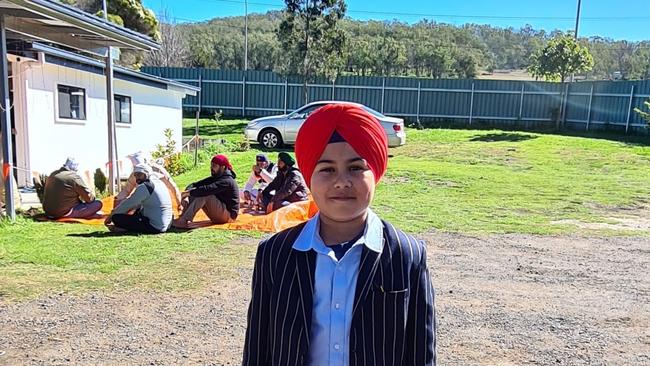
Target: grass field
(450,180)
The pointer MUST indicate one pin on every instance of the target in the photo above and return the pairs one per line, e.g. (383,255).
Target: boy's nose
(343,181)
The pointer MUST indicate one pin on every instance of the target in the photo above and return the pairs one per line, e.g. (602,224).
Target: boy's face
(342,183)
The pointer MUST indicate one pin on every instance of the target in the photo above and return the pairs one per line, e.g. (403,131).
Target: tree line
(352,47)
(380,48)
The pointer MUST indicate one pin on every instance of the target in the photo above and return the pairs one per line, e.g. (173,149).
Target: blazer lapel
(305,270)
(367,269)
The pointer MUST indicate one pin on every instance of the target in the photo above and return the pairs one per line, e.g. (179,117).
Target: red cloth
(358,127)
(221,160)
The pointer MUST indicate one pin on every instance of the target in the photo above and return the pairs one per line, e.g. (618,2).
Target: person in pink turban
(217,195)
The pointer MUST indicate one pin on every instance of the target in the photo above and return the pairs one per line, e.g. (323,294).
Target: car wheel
(270,139)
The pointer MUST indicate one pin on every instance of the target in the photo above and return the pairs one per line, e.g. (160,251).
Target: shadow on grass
(505,136)
(102,234)
(641,139)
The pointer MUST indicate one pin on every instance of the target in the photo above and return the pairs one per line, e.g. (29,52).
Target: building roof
(64,58)
(52,21)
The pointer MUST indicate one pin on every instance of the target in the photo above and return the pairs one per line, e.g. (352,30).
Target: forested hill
(426,48)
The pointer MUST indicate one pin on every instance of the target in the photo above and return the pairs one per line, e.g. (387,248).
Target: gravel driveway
(501,299)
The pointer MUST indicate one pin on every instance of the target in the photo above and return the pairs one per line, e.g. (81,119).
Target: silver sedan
(275,131)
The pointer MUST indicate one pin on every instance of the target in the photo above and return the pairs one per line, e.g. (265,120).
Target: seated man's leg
(191,207)
(266,199)
(216,210)
(85,210)
(134,223)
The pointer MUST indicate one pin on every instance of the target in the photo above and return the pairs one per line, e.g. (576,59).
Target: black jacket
(289,186)
(223,186)
(393,319)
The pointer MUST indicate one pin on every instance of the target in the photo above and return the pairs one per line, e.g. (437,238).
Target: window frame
(58,116)
(115,115)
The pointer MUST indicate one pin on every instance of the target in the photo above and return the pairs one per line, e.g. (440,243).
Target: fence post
(383,91)
(521,101)
(286,90)
(196,127)
(629,109)
(333,88)
(471,105)
(417,113)
(591,98)
(243,96)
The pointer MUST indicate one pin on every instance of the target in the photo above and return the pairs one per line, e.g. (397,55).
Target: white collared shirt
(334,290)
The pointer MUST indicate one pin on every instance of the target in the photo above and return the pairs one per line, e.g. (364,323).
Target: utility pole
(575,34)
(109,114)
(245,35)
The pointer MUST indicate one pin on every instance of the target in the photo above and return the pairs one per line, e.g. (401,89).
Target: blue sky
(617,19)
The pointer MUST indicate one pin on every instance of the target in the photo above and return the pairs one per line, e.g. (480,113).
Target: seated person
(157,170)
(217,195)
(67,195)
(289,185)
(263,173)
(150,200)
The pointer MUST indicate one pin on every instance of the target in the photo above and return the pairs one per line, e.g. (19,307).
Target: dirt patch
(632,218)
(506,300)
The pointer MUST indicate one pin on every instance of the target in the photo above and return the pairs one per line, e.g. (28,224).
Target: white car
(275,131)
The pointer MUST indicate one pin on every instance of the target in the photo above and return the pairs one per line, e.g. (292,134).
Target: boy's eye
(327,170)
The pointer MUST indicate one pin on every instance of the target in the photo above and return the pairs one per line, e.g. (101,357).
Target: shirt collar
(372,238)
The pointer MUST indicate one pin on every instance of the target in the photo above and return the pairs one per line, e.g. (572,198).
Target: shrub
(168,153)
(100,181)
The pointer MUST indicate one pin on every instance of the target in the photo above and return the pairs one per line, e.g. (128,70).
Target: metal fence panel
(597,104)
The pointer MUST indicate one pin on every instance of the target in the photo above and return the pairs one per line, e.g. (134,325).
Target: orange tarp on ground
(279,220)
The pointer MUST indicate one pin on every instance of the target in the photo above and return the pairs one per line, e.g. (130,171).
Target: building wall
(50,139)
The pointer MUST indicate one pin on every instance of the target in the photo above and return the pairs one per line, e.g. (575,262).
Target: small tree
(311,38)
(169,154)
(644,115)
(561,57)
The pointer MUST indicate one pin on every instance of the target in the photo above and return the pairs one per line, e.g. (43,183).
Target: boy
(345,288)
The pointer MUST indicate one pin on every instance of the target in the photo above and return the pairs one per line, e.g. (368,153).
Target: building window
(122,109)
(72,102)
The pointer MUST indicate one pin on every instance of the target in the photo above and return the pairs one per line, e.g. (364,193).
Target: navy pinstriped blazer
(393,317)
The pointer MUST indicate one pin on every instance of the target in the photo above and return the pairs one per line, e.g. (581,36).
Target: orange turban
(356,126)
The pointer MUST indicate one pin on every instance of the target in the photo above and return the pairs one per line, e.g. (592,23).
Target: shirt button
(337,305)
(337,346)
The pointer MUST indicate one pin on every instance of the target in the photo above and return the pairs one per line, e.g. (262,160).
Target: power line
(459,16)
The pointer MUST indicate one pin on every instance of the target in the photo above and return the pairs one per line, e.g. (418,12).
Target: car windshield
(303,110)
(373,112)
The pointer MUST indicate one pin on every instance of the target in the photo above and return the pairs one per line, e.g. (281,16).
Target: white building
(59,110)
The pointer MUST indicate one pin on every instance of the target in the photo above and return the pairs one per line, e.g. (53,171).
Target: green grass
(495,181)
(452,180)
(230,130)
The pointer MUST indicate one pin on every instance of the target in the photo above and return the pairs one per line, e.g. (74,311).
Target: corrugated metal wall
(605,105)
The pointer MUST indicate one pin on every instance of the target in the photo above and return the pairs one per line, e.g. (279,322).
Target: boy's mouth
(342,198)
